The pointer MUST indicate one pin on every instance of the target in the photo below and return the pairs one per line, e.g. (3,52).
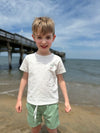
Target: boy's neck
(43,53)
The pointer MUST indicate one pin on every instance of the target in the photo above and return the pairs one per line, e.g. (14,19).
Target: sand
(82,119)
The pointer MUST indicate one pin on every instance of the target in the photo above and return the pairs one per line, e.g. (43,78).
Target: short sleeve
(60,68)
(24,65)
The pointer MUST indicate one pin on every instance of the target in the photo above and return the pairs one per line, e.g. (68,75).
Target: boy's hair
(43,25)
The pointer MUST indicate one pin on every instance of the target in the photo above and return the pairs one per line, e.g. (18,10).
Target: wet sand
(82,119)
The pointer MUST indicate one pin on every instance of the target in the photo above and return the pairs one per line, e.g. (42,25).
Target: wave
(6,92)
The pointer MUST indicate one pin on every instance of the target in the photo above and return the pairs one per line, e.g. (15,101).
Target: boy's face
(44,42)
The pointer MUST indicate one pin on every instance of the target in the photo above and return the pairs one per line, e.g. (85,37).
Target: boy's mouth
(43,46)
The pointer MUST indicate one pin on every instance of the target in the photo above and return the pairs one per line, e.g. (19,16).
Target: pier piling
(21,55)
(9,55)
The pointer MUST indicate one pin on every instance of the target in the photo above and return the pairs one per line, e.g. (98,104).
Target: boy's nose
(44,40)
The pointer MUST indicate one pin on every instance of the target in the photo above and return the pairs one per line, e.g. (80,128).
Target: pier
(15,43)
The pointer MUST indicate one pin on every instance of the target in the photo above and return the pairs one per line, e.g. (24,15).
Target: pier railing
(15,43)
(16,38)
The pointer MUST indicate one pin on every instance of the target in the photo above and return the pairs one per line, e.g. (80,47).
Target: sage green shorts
(48,112)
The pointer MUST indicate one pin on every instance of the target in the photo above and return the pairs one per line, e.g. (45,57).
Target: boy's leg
(36,129)
(34,123)
(52,130)
(51,117)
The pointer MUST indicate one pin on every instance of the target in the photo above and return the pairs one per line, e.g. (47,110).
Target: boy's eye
(48,37)
(39,37)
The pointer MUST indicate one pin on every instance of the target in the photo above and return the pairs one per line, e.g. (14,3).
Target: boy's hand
(18,107)
(67,107)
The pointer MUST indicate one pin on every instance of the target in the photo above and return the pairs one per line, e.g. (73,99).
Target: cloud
(22,12)
(77,22)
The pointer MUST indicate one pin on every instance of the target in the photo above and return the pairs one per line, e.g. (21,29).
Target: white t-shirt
(42,79)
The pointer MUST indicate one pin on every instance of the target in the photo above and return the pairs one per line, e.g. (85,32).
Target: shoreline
(82,118)
(79,94)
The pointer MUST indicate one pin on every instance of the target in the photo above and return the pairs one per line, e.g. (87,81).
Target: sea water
(82,79)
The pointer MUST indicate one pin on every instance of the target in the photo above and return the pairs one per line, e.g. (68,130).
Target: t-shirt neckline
(38,55)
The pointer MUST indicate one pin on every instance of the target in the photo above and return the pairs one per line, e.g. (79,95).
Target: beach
(83,85)
(82,119)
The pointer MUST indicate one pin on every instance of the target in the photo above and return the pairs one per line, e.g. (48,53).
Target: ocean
(82,80)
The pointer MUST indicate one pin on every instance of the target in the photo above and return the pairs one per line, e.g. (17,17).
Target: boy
(43,70)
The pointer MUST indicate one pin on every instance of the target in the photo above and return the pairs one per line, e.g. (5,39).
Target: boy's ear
(54,37)
(33,37)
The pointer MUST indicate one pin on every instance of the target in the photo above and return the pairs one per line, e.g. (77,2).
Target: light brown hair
(43,25)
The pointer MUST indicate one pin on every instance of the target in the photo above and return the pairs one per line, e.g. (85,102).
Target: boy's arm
(21,89)
(63,87)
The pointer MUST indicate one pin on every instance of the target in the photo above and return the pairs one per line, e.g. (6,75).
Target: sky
(77,23)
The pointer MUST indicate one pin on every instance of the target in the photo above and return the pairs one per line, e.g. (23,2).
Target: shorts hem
(52,127)
(32,126)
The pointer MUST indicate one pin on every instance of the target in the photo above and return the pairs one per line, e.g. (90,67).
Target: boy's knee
(36,129)
(52,130)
